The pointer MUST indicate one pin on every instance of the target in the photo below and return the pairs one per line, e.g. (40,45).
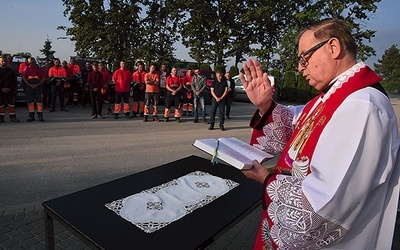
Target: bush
(178,65)
(204,66)
(234,71)
(220,68)
(191,66)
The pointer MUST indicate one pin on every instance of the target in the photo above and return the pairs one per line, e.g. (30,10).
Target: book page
(246,149)
(234,152)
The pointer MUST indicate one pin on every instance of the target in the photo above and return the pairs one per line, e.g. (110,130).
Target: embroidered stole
(296,157)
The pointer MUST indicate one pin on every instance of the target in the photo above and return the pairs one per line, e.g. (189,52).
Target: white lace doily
(157,207)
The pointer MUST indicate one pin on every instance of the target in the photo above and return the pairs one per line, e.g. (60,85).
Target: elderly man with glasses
(335,185)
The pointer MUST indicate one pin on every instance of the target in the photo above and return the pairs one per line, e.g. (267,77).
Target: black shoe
(145,118)
(211,127)
(14,119)
(156,119)
(178,120)
(64,109)
(222,128)
(166,119)
(195,120)
(205,121)
(228,117)
(115,116)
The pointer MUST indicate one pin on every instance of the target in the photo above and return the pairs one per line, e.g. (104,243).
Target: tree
(104,29)
(47,51)
(389,63)
(389,69)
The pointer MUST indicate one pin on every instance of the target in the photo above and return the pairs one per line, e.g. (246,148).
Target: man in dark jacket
(8,90)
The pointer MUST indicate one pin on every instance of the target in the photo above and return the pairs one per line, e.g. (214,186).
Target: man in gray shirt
(199,87)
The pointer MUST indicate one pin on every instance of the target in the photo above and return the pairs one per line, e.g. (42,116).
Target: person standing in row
(95,82)
(8,90)
(230,95)
(122,78)
(187,107)
(105,90)
(219,89)
(152,81)
(163,79)
(199,88)
(57,75)
(34,77)
(74,81)
(139,88)
(174,85)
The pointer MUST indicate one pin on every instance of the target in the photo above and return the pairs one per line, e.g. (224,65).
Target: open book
(233,151)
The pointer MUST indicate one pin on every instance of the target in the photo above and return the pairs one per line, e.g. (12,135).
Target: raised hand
(257,85)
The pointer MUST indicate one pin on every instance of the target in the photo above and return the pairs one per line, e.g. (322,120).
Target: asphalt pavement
(69,152)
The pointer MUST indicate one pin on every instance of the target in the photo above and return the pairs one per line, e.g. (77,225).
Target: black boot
(13,118)
(40,115)
(145,118)
(31,117)
(1,118)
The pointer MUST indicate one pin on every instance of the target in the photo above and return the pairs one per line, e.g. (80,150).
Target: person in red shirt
(152,81)
(57,76)
(173,85)
(34,77)
(74,81)
(122,78)
(22,66)
(187,107)
(139,87)
(95,82)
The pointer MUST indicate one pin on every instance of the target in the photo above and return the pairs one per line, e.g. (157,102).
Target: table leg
(49,230)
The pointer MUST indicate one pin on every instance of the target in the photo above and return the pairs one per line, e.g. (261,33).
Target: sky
(27,24)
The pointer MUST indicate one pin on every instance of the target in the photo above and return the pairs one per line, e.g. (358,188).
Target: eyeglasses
(303,62)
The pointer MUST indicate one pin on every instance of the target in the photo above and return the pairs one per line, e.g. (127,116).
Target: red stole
(297,155)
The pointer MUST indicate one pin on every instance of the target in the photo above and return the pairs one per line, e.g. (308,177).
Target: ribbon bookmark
(214,158)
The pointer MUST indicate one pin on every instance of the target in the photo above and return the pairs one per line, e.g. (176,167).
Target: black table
(84,212)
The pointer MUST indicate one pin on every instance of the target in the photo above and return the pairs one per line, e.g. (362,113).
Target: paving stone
(39,246)
(26,244)
(10,243)
(3,238)
(65,243)
(7,218)
(14,233)
(5,229)
(17,224)
(26,228)
(25,236)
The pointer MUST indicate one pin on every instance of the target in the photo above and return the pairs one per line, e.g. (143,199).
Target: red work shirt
(122,79)
(174,82)
(76,70)
(57,72)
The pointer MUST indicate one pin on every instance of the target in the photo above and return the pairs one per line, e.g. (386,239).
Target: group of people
(43,85)
(182,95)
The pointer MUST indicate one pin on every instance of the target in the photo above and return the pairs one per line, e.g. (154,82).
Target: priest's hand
(258,172)
(257,85)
